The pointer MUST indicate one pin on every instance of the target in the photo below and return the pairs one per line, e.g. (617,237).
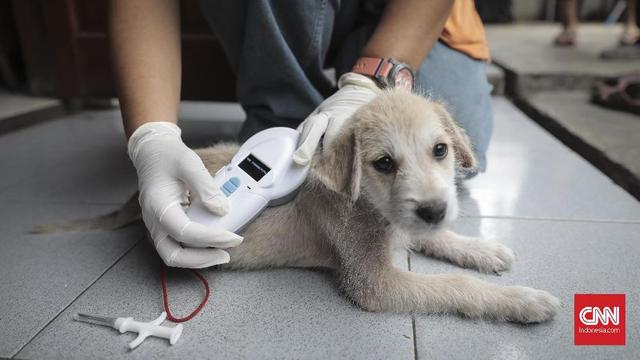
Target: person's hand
(166,169)
(354,90)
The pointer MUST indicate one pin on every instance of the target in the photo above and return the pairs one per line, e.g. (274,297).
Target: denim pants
(278,50)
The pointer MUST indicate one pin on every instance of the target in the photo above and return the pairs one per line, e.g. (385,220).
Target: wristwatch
(388,73)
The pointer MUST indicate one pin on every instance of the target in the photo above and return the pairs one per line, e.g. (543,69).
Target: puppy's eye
(440,151)
(385,164)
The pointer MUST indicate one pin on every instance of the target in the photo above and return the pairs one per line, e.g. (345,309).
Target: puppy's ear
(339,166)
(461,143)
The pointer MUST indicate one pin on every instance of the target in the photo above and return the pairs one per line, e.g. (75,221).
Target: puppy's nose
(432,212)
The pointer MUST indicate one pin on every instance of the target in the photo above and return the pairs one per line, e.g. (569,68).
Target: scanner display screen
(254,167)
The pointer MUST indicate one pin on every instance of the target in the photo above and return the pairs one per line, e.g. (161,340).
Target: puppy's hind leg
(482,255)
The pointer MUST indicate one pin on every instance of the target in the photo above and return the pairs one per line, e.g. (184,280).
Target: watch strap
(374,67)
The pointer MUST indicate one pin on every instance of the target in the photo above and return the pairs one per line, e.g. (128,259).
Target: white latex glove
(166,169)
(354,90)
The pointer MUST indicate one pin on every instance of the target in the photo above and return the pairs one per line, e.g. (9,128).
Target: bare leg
(631,33)
(485,256)
(567,36)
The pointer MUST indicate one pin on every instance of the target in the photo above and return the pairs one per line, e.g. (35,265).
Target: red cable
(165,298)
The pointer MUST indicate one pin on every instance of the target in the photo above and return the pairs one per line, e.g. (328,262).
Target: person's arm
(408,30)
(145,46)
(145,50)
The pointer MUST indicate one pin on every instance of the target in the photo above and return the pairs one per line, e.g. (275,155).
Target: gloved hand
(166,169)
(354,90)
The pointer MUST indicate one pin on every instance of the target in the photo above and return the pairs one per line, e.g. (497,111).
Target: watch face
(404,79)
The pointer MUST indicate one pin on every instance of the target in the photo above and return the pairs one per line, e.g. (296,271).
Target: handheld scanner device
(261,174)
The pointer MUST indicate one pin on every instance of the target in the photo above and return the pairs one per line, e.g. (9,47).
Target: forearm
(408,30)
(145,51)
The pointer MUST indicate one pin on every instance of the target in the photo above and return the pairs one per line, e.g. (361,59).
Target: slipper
(621,93)
(565,39)
(629,38)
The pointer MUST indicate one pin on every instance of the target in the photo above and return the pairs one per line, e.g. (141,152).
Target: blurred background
(54,60)
(58,48)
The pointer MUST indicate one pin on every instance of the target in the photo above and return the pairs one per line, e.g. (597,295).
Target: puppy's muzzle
(432,212)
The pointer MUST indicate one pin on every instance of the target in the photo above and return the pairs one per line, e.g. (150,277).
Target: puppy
(387,179)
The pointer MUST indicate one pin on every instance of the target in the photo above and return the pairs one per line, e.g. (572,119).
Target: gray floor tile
(42,274)
(284,313)
(531,174)
(34,150)
(563,258)
(82,158)
(208,111)
(94,174)
(12,105)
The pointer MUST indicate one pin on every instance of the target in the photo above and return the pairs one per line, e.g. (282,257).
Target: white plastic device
(144,329)
(261,174)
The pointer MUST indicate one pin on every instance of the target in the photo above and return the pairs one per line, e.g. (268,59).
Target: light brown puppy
(388,177)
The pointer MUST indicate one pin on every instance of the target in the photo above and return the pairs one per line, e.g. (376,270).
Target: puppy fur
(348,216)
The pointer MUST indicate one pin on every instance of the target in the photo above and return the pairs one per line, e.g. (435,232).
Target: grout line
(415,341)
(528,218)
(116,261)
(413,318)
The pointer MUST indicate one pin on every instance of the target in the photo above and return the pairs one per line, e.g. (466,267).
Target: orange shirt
(464,31)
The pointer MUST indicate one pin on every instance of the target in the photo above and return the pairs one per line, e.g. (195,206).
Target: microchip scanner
(262,173)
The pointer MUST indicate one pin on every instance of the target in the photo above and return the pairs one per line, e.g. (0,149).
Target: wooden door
(66,53)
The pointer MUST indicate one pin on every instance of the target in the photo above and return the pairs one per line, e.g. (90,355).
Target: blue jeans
(278,50)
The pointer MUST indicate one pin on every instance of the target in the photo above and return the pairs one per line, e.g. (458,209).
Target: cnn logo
(594,315)
(599,319)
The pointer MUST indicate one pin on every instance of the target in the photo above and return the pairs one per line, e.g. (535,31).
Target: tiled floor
(616,134)
(555,84)
(17,111)
(533,175)
(12,105)
(562,257)
(572,228)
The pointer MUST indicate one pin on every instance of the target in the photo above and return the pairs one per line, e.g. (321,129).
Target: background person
(569,14)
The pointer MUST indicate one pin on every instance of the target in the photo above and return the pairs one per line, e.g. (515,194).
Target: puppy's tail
(127,214)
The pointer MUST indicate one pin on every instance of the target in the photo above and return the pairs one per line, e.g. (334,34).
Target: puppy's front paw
(487,256)
(527,305)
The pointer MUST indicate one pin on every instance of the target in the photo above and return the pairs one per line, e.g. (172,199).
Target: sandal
(565,39)
(621,93)
(629,38)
